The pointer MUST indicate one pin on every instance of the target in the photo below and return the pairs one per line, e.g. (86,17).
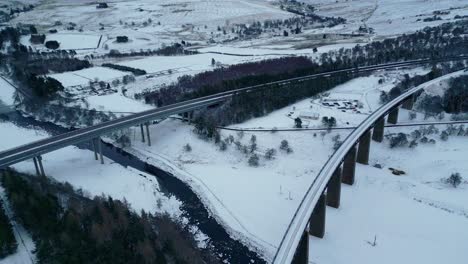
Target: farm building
(309,115)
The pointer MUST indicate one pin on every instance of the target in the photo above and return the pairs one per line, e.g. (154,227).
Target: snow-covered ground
(390,17)
(141,192)
(148,24)
(272,50)
(364,89)
(415,218)
(67,41)
(197,62)
(83,77)
(79,168)
(116,103)
(6,93)
(242,197)
(25,251)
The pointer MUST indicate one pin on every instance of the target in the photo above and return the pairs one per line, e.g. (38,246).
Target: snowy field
(149,24)
(364,89)
(218,177)
(197,62)
(116,103)
(390,17)
(67,41)
(141,192)
(415,218)
(284,50)
(83,77)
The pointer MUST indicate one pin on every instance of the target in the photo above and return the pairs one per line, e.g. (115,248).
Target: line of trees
(74,117)
(176,49)
(124,68)
(456,96)
(68,228)
(444,40)
(454,99)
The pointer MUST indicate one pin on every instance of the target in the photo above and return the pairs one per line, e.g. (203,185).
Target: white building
(309,115)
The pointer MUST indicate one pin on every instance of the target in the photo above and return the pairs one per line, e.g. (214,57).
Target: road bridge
(325,189)
(309,218)
(144,119)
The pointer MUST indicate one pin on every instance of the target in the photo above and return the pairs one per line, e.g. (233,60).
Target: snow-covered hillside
(390,17)
(241,196)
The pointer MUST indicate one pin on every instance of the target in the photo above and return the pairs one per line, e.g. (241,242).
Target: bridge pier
(349,167)
(378,131)
(38,172)
(393,116)
(408,103)
(334,189)
(148,133)
(302,251)
(41,168)
(142,133)
(98,140)
(364,148)
(93,142)
(317,219)
(190,117)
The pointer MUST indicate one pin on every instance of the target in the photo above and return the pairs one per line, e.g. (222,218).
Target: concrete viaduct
(143,119)
(309,218)
(325,190)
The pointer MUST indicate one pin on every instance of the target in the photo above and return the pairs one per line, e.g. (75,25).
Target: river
(193,209)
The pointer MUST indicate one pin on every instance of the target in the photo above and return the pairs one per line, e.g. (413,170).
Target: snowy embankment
(197,62)
(242,197)
(85,76)
(78,167)
(6,92)
(115,102)
(414,218)
(391,17)
(25,251)
(88,174)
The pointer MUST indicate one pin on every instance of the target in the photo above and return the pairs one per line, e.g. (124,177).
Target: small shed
(309,115)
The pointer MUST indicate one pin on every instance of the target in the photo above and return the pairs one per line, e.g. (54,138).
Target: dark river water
(193,209)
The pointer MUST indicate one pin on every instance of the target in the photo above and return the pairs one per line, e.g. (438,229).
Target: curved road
(297,226)
(28,151)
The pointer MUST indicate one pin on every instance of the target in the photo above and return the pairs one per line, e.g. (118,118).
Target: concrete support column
(349,167)
(302,251)
(142,133)
(41,168)
(393,116)
(378,132)
(93,141)
(98,140)
(190,117)
(408,103)
(148,134)
(364,148)
(334,189)
(38,172)
(317,219)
